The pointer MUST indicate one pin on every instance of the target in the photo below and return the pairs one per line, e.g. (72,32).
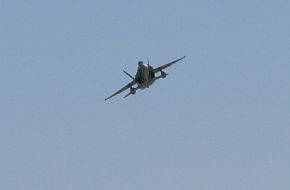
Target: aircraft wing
(158,69)
(123,89)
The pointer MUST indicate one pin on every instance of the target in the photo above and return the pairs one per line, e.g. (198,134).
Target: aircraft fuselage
(145,75)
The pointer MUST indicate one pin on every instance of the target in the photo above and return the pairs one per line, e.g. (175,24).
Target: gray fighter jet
(145,77)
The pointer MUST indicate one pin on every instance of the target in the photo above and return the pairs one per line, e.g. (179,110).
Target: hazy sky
(220,120)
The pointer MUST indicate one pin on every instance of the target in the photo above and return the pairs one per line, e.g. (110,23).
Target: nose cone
(140,63)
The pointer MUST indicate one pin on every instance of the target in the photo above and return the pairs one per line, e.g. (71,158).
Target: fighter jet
(145,77)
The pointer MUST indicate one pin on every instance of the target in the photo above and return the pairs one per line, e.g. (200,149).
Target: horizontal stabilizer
(129,75)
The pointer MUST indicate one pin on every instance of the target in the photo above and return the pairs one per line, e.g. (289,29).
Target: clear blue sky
(221,120)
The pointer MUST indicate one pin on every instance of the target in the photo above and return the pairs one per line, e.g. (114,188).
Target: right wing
(131,84)
(158,69)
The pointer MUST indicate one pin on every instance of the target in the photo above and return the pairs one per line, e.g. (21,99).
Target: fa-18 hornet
(145,77)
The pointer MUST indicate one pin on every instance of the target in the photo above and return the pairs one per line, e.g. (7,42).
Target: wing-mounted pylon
(132,92)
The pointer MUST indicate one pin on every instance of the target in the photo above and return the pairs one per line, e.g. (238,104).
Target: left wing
(158,69)
(131,84)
